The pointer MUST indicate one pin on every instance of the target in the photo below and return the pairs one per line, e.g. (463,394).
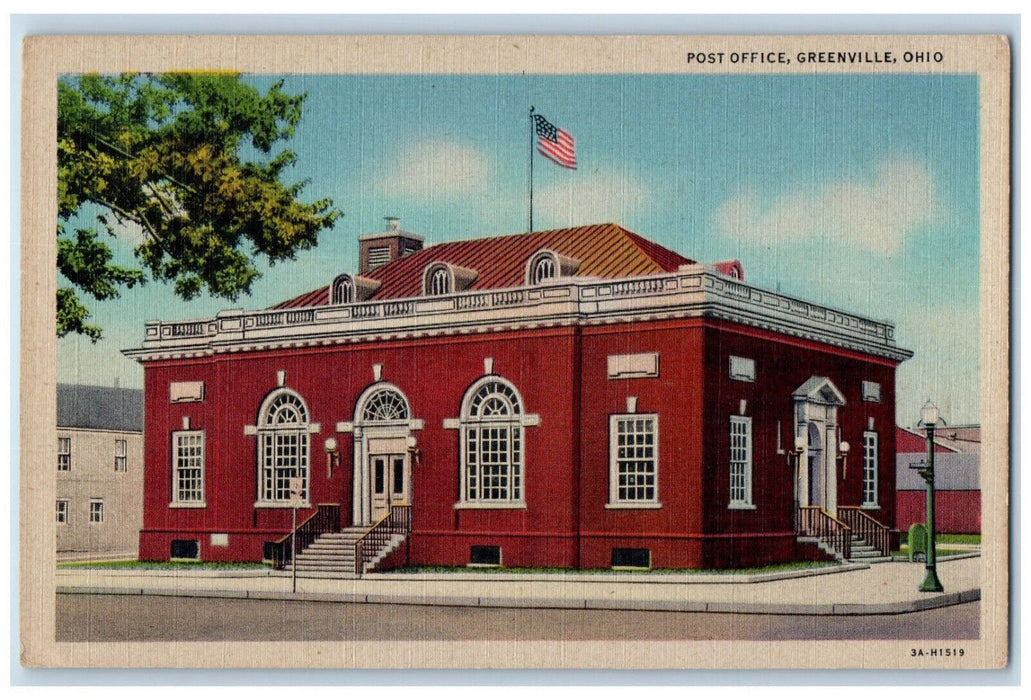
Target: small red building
(957,451)
(578,398)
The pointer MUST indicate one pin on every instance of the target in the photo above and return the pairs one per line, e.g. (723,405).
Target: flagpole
(531,168)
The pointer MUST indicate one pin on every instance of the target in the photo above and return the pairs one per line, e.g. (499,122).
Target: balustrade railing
(324,520)
(813,521)
(867,528)
(398,521)
(579,290)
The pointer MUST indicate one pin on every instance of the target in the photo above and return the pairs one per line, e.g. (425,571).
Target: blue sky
(858,191)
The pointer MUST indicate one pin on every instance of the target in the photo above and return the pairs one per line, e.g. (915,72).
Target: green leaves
(163,153)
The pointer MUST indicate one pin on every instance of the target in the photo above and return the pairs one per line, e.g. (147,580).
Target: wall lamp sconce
(332,456)
(843,448)
(414,452)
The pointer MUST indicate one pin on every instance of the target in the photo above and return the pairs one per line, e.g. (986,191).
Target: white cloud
(588,199)
(874,213)
(432,168)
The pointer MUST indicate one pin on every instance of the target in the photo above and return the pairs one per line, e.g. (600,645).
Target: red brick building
(573,398)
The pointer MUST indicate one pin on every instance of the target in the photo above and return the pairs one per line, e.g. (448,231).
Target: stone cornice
(694,291)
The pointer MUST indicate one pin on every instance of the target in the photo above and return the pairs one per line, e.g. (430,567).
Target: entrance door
(390,482)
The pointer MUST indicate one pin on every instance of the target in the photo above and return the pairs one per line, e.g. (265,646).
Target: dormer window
(444,278)
(343,290)
(544,269)
(348,289)
(439,282)
(546,265)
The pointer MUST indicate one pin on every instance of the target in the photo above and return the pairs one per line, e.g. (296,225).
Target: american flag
(555,144)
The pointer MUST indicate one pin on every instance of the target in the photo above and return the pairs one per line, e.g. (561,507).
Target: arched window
(543,269)
(343,290)
(492,443)
(384,404)
(283,446)
(439,282)
(546,265)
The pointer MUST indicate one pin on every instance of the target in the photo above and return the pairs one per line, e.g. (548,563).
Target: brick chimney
(378,249)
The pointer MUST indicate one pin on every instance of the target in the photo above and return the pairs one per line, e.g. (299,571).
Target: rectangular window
(740,461)
(626,558)
(185,549)
(633,459)
(120,455)
(870,464)
(188,466)
(284,457)
(872,392)
(64,454)
(62,511)
(484,555)
(96,510)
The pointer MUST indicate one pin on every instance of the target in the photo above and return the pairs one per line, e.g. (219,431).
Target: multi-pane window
(740,461)
(283,447)
(121,464)
(62,511)
(439,282)
(343,290)
(543,269)
(64,454)
(869,468)
(96,510)
(385,404)
(188,466)
(633,458)
(492,443)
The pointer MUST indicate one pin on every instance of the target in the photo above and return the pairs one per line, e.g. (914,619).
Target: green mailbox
(918,542)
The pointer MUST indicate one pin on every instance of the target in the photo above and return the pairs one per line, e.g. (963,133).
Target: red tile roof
(604,250)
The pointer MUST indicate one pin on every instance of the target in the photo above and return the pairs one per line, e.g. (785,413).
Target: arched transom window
(283,446)
(492,442)
(343,290)
(385,404)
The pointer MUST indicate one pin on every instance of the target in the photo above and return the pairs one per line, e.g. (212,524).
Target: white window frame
(64,454)
(96,514)
(508,442)
(544,267)
(438,281)
(740,463)
(121,455)
(617,460)
(62,514)
(181,464)
(274,445)
(342,291)
(871,466)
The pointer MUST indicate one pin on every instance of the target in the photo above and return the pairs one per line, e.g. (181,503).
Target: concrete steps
(332,554)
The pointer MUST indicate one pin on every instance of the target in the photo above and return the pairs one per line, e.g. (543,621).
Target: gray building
(99,508)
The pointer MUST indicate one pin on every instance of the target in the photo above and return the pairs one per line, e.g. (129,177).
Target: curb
(847,609)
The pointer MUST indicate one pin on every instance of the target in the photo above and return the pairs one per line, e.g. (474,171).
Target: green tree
(194,161)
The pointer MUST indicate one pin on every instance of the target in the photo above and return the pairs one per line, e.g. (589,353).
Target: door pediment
(819,390)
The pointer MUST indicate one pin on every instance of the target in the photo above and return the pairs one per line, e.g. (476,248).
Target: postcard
(682,352)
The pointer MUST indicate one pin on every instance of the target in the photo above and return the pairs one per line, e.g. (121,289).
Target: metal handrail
(397,520)
(814,521)
(325,519)
(867,528)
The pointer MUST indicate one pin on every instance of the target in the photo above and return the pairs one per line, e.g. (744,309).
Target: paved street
(112,618)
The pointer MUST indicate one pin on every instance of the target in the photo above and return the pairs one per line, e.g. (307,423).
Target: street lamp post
(929,419)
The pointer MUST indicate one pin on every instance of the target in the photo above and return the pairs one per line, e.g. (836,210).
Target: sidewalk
(853,589)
